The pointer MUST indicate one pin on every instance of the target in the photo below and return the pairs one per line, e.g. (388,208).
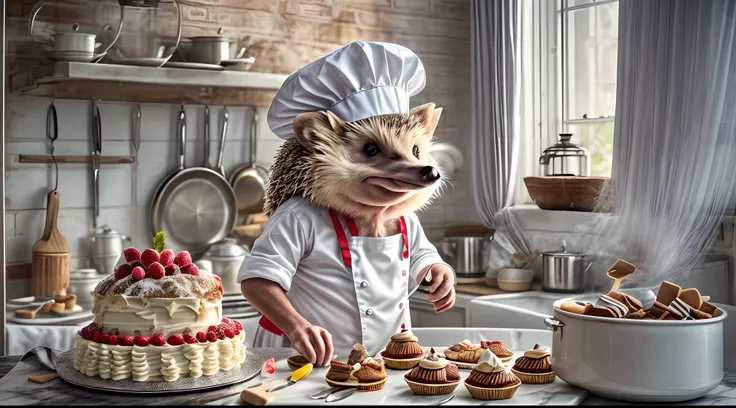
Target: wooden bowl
(565,193)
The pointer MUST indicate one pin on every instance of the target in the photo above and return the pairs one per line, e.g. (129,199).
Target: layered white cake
(159,324)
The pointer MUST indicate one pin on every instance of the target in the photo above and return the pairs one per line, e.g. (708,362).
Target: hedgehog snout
(429,174)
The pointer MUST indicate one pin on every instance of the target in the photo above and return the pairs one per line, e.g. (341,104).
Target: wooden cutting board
(51,259)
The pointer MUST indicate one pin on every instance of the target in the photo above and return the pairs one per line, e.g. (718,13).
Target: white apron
(354,287)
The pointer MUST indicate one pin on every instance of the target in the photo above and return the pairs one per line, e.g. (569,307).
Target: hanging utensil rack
(40,159)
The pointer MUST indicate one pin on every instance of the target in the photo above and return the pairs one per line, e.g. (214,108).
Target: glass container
(565,159)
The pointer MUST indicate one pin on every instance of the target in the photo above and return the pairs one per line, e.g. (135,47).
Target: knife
(341,395)
(296,376)
(324,393)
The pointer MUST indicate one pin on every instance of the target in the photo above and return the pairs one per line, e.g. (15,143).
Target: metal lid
(563,253)
(106,232)
(79,274)
(563,149)
(227,248)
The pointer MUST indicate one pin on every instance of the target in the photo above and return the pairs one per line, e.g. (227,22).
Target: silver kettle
(107,247)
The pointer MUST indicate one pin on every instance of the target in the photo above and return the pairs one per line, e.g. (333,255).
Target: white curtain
(675,137)
(496,76)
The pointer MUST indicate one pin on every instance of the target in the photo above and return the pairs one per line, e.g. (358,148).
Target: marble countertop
(15,389)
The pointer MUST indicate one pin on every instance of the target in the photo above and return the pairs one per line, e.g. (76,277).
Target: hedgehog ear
(311,128)
(429,117)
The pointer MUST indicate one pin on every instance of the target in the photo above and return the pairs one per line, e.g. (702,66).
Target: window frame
(541,103)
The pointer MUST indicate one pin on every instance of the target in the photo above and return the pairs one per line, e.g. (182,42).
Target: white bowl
(510,274)
(514,285)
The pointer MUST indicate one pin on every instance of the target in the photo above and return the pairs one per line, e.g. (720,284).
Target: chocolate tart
(402,352)
(490,380)
(498,349)
(433,376)
(534,367)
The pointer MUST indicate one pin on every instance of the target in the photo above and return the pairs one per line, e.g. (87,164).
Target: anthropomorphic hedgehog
(334,263)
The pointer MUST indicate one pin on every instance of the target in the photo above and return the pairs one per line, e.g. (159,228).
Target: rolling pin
(51,259)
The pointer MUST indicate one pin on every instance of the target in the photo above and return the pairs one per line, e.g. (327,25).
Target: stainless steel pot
(564,272)
(226,257)
(107,248)
(637,360)
(468,256)
(81,283)
(215,49)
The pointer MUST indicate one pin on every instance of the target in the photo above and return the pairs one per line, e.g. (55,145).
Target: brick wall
(285,35)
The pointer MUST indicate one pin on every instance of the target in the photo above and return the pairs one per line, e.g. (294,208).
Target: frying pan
(195,206)
(249,181)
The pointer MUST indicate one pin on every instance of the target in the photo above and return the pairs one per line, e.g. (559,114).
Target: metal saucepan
(468,256)
(249,181)
(564,272)
(226,257)
(215,49)
(195,207)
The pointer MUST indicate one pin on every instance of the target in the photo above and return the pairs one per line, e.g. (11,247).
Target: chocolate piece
(692,298)
(680,309)
(619,309)
(43,378)
(621,269)
(697,314)
(357,355)
(668,292)
(631,302)
(600,311)
(708,308)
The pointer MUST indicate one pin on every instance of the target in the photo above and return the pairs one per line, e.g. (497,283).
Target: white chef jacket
(365,304)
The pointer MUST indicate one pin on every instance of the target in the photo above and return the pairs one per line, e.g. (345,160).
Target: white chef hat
(359,80)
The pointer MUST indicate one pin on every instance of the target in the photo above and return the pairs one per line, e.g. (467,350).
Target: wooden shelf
(124,83)
(27,158)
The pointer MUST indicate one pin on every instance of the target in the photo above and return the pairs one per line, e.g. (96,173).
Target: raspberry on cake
(158,326)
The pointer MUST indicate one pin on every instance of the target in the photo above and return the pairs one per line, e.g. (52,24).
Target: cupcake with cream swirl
(402,352)
(490,380)
(433,376)
(535,366)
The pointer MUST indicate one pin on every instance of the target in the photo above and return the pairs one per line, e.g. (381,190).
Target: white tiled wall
(125,193)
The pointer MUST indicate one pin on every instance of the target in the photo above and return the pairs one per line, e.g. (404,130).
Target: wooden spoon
(620,271)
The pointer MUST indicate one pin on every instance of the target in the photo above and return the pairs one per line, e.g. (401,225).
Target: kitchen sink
(525,310)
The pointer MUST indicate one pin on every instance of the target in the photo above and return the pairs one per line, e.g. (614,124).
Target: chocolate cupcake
(490,380)
(534,367)
(402,352)
(465,352)
(498,349)
(433,376)
(339,372)
(366,373)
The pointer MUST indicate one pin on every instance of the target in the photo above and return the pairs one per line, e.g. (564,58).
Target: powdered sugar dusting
(171,286)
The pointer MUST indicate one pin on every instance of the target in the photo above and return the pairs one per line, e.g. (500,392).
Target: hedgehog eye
(371,149)
(415,151)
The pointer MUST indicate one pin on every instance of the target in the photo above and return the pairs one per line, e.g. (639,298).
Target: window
(584,68)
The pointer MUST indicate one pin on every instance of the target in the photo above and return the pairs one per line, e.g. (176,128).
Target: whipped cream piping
(156,363)
(489,363)
(432,361)
(538,352)
(405,335)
